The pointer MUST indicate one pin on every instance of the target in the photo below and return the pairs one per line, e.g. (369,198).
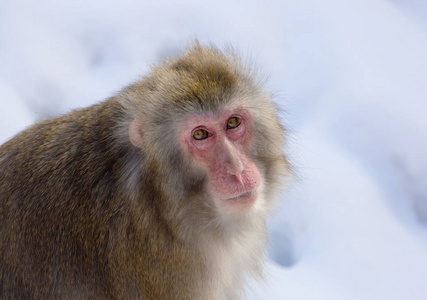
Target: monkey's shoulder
(64,133)
(78,146)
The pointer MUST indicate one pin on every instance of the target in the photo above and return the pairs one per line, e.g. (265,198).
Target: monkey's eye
(233,122)
(200,134)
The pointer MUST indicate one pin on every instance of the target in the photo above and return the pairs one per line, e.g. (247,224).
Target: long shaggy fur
(85,214)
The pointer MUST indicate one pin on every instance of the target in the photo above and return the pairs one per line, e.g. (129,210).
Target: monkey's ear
(135,134)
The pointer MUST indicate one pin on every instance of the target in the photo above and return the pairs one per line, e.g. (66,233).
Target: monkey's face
(220,143)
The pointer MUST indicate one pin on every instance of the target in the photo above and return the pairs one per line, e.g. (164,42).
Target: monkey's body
(73,228)
(85,214)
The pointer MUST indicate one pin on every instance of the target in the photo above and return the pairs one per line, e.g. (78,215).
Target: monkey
(160,192)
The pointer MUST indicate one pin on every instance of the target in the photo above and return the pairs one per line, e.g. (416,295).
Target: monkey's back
(57,210)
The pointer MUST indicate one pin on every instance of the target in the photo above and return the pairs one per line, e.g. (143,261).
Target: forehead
(204,80)
(213,118)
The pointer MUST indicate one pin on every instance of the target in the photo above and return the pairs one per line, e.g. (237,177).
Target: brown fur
(85,214)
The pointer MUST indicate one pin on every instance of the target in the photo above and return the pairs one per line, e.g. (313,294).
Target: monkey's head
(206,127)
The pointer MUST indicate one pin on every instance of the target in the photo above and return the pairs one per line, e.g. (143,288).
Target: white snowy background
(349,76)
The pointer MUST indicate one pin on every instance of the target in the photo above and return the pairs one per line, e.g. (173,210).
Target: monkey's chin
(242,202)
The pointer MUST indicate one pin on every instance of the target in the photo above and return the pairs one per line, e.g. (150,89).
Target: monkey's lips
(243,201)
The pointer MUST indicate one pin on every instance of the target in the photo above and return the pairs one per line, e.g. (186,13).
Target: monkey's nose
(239,178)
(235,168)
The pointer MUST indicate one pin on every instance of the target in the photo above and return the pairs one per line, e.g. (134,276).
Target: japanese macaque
(160,192)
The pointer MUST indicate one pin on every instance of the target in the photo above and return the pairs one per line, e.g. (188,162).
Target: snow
(349,76)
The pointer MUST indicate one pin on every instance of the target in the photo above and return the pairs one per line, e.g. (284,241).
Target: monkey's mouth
(242,202)
(242,196)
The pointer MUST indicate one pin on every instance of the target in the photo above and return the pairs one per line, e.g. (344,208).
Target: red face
(220,143)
